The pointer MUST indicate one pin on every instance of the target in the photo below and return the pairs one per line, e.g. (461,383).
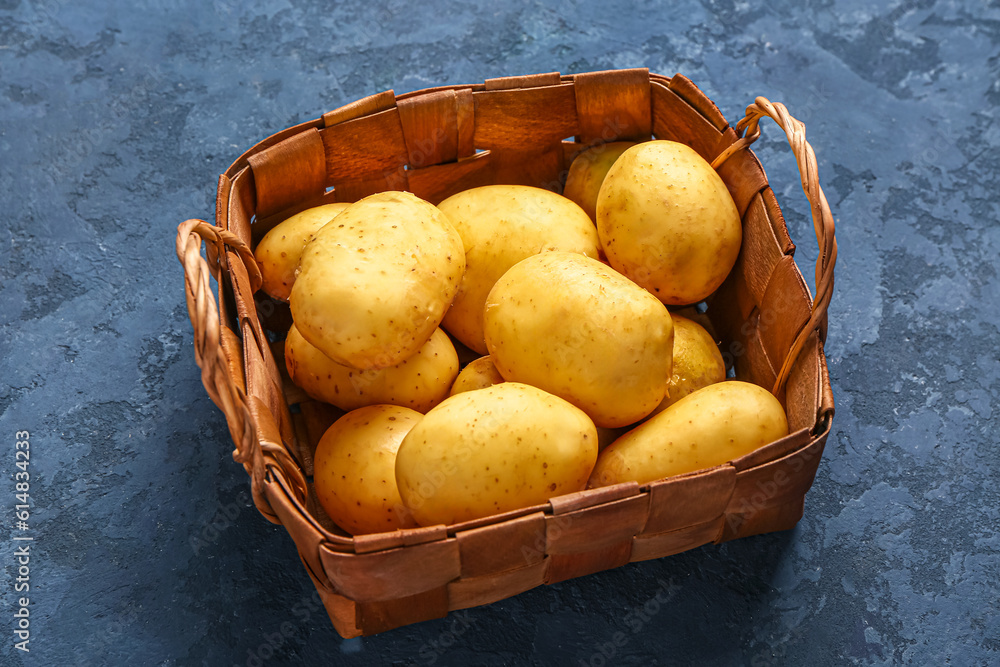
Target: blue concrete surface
(115,120)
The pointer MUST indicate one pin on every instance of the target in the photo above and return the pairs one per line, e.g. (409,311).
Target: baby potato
(500,225)
(478,374)
(697,362)
(374,285)
(278,253)
(354,469)
(706,428)
(419,382)
(586,174)
(667,221)
(576,328)
(492,450)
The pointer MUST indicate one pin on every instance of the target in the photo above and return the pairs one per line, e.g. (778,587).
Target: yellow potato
(374,285)
(709,427)
(278,253)
(354,469)
(420,382)
(587,172)
(493,450)
(580,330)
(667,221)
(478,374)
(697,362)
(500,225)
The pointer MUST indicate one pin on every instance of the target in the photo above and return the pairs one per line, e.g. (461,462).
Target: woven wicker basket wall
(523,130)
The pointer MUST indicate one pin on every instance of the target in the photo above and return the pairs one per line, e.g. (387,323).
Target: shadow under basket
(512,130)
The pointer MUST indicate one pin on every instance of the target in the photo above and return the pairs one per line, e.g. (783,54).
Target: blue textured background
(115,120)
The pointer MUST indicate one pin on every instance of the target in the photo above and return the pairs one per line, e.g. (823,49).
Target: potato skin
(500,225)
(709,427)
(697,362)
(477,374)
(586,174)
(493,450)
(578,329)
(354,469)
(667,221)
(374,285)
(419,382)
(278,253)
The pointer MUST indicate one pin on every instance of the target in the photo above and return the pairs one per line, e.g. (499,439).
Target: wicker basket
(435,143)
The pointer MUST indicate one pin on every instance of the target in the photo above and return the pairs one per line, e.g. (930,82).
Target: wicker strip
(668,543)
(742,173)
(290,171)
(381,133)
(525,119)
(381,615)
(522,543)
(676,120)
(784,309)
(397,573)
(475,591)
(689,500)
(364,107)
(762,245)
(242,162)
(570,566)
(430,128)
(519,82)
(240,208)
(684,88)
(439,182)
(796,439)
(613,106)
(602,525)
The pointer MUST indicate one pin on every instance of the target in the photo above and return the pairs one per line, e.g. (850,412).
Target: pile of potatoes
(585,377)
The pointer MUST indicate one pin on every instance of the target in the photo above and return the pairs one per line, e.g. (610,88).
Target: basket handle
(748,130)
(208,352)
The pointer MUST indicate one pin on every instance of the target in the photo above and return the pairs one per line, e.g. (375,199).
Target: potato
(420,382)
(500,225)
(478,374)
(709,427)
(583,182)
(578,329)
(354,469)
(697,362)
(278,253)
(667,221)
(374,285)
(493,450)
